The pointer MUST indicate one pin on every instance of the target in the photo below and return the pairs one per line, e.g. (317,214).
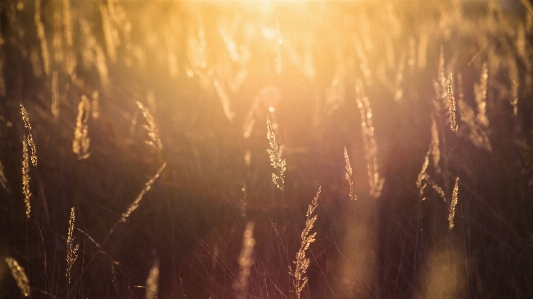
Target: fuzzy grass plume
(369,142)
(26,177)
(451,104)
(81,142)
(151,128)
(29,137)
(424,179)
(19,275)
(72,250)
(455,198)
(275,157)
(302,262)
(349,173)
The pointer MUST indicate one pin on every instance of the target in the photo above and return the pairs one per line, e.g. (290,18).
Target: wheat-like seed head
(480,91)
(451,104)
(72,250)
(349,173)
(369,142)
(275,157)
(26,177)
(81,142)
(306,238)
(435,144)
(25,117)
(455,198)
(151,128)
(19,275)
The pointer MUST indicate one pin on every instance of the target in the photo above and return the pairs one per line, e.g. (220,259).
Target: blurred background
(115,89)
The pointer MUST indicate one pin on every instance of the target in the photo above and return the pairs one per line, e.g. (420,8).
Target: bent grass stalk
(137,200)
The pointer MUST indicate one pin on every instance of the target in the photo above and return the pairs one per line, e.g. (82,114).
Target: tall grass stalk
(72,249)
(306,239)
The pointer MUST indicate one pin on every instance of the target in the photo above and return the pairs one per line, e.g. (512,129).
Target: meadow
(266,149)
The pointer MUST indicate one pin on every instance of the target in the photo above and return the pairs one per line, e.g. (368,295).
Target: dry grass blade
(349,174)
(451,104)
(55,97)
(27,125)
(72,250)
(369,142)
(152,282)
(480,91)
(26,177)
(137,200)
(435,144)
(306,238)
(81,142)
(42,37)
(245,261)
(151,128)
(25,117)
(424,179)
(19,275)
(275,157)
(455,198)
(3,179)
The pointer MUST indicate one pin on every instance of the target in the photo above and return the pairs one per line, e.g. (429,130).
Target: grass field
(266,149)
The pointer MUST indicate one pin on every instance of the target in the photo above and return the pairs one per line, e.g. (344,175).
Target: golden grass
(18,273)
(246,261)
(424,179)
(81,142)
(275,157)
(348,175)
(451,104)
(26,177)
(152,281)
(151,128)
(42,37)
(369,142)
(455,198)
(137,200)
(306,238)
(55,97)
(72,250)
(3,179)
